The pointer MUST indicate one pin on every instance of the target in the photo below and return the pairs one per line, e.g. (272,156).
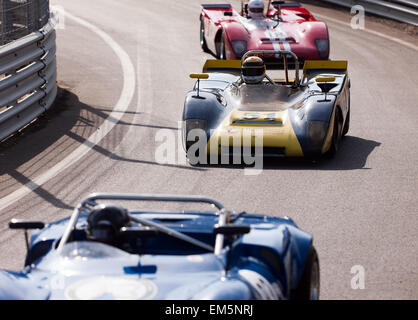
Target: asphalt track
(123,69)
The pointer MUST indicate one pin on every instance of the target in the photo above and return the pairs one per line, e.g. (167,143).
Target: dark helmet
(105,221)
(253,70)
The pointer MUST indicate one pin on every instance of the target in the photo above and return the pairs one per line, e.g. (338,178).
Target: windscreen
(259,24)
(85,250)
(266,97)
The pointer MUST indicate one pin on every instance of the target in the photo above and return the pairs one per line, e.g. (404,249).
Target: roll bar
(83,207)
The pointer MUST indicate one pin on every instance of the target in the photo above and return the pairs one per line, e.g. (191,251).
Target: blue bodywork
(266,263)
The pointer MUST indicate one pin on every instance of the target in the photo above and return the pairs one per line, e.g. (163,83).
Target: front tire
(203,43)
(309,283)
(221,48)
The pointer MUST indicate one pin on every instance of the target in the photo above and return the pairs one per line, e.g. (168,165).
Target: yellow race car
(236,108)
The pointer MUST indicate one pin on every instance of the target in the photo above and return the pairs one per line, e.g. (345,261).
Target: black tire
(309,284)
(221,48)
(203,43)
(347,123)
(336,135)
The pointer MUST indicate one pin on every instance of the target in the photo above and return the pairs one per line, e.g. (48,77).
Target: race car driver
(256,9)
(253,70)
(105,221)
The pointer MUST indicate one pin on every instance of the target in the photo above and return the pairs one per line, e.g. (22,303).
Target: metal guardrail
(27,79)
(401,10)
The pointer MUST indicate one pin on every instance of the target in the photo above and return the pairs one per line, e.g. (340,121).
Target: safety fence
(401,10)
(27,79)
(19,18)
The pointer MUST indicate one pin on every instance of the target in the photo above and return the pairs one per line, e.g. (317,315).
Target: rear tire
(309,283)
(203,43)
(347,124)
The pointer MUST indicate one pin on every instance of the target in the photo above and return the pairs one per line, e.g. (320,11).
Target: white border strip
(118,111)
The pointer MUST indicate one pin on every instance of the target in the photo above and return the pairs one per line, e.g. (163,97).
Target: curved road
(360,206)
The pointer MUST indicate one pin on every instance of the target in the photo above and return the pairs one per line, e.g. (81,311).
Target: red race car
(281,26)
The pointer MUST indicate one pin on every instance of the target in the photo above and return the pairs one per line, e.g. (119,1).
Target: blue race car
(104,251)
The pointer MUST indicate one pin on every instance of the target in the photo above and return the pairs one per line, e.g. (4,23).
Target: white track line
(118,111)
(404,43)
(122,105)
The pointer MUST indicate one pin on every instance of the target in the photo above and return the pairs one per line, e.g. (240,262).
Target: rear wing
(217,12)
(285,5)
(223,66)
(315,67)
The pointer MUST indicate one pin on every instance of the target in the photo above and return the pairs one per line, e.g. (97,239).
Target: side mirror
(231,229)
(324,83)
(325,79)
(199,76)
(26,225)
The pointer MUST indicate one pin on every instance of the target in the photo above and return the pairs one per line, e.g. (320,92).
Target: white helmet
(255,9)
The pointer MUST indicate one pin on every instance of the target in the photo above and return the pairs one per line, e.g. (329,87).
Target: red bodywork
(297,31)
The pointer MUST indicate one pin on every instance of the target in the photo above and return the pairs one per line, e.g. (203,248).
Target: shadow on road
(69,122)
(352,155)
(26,150)
(56,133)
